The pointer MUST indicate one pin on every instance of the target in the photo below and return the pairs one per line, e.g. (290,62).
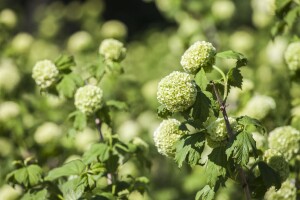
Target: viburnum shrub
(203,134)
(95,174)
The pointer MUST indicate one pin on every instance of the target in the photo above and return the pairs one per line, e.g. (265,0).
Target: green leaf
(241,59)
(28,176)
(80,121)
(201,79)
(73,189)
(201,106)
(241,147)
(68,85)
(75,167)
(65,62)
(250,124)
(43,194)
(269,176)
(292,16)
(207,193)
(282,7)
(189,149)
(235,77)
(97,151)
(163,112)
(120,105)
(216,165)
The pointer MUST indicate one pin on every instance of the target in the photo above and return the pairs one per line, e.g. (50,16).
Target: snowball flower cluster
(9,76)
(79,41)
(259,106)
(292,56)
(8,17)
(177,91)
(277,162)
(288,191)
(21,42)
(217,129)
(166,135)
(200,55)
(45,73)
(88,99)
(286,140)
(112,49)
(9,110)
(47,132)
(114,29)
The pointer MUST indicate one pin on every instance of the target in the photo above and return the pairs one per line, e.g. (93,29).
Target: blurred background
(156,33)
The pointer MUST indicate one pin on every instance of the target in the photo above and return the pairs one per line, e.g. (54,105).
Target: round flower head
(22,42)
(177,91)
(277,162)
(9,76)
(288,191)
(286,140)
(47,132)
(45,73)
(166,135)
(79,41)
(9,110)
(217,130)
(292,56)
(200,55)
(88,99)
(259,106)
(112,49)
(114,29)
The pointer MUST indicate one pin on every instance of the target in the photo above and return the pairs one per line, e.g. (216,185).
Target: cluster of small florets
(292,57)
(259,106)
(114,29)
(88,99)
(47,132)
(200,55)
(45,73)
(177,91)
(286,140)
(166,135)
(277,162)
(112,49)
(288,191)
(217,129)
(79,41)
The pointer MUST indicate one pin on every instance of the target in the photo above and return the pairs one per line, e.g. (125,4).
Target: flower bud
(177,91)
(166,135)
(200,55)
(292,57)
(286,140)
(88,99)
(277,162)
(112,49)
(45,73)
(288,191)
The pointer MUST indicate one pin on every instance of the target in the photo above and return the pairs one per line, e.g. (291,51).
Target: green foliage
(206,193)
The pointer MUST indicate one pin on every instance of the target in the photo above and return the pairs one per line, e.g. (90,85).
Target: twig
(230,133)
(98,126)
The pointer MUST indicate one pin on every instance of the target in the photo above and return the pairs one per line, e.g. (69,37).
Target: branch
(98,126)
(231,134)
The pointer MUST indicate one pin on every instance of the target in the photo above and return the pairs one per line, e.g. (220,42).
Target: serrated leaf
(230,54)
(292,16)
(207,193)
(28,176)
(216,165)
(163,112)
(43,194)
(34,174)
(241,147)
(80,121)
(73,189)
(120,105)
(201,106)
(250,124)
(75,167)
(97,151)
(201,79)
(235,77)
(189,149)
(65,62)
(68,85)
(269,176)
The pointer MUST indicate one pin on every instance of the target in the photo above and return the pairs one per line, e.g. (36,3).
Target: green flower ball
(88,99)
(200,55)
(292,56)
(166,135)
(277,162)
(112,49)
(177,91)
(288,191)
(45,73)
(217,131)
(286,140)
